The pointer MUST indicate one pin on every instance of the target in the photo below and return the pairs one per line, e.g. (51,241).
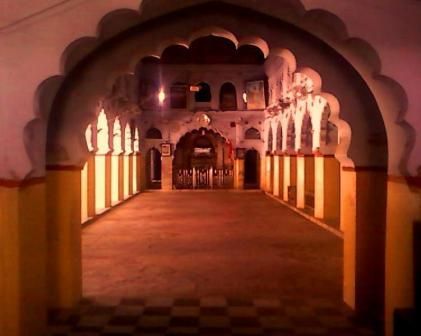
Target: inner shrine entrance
(203,160)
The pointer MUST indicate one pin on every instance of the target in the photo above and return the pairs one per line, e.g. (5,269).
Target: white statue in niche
(103,134)
(136,141)
(128,140)
(88,138)
(117,148)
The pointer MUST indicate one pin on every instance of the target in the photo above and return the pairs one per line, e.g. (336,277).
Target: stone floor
(208,263)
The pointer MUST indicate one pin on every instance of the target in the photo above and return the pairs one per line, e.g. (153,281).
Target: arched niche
(279,137)
(252,134)
(153,133)
(307,135)
(228,97)
(290,143)
(270,139)
(204,94)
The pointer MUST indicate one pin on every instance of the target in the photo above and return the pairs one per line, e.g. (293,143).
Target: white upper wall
(32,45)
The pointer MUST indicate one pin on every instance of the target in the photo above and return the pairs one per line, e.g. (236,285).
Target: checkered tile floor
(206,316)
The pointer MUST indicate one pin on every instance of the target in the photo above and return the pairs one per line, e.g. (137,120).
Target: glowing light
(115,172)
(100,178)
(103,136)
(136,141)
(245,97)
(84,193)
(161,96)
(88,137)
(128,149)
(117,148)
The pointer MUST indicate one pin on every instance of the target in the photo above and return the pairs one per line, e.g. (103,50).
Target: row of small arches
(178,95)
(328,135)
(250,134)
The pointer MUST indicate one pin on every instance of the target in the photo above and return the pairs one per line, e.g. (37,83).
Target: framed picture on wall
(166,149)
(255,91)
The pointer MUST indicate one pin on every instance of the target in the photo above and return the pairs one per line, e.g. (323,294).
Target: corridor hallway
(208,263)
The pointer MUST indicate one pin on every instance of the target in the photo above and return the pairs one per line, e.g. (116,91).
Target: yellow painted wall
(371,190)
(293,162)
(403,208)
(239,174)
(166,175)
(281,177)
(22,260)
(348,226)
(141,172)
(309,174)
(263,173)
(332,189)
(64,238)
(91,186)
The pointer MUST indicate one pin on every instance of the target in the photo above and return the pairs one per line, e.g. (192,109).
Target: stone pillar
(281,175)
(130,186)
(348,225)
(319,174)
(126,176)
(268,173)
(239,168)
(121,177)
(287,176)
(141,171)
(403,208)
(108,181)
(100,183)
(327,188)
(332,183)
(115,179)
(276,159)
(293,180)
(263,173)
(135,179)
(239,173)
(166,173)
(300,181)
(309,181)
(91,185)
(84,193)
(64,237)
(23,256)
(363,217)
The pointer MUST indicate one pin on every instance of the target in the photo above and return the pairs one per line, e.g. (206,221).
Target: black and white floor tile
(207,316)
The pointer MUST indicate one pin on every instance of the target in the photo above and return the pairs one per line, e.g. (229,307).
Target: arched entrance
(202,160)
(153,168)
(251,169)
(210,159)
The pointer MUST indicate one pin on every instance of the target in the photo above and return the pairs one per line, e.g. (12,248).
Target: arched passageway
(281,150)
(202,160)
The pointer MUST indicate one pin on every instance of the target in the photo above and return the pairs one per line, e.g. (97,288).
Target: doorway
(251,169)
(153,169)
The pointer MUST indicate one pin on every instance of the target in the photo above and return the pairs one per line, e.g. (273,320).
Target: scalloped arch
(373,83)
